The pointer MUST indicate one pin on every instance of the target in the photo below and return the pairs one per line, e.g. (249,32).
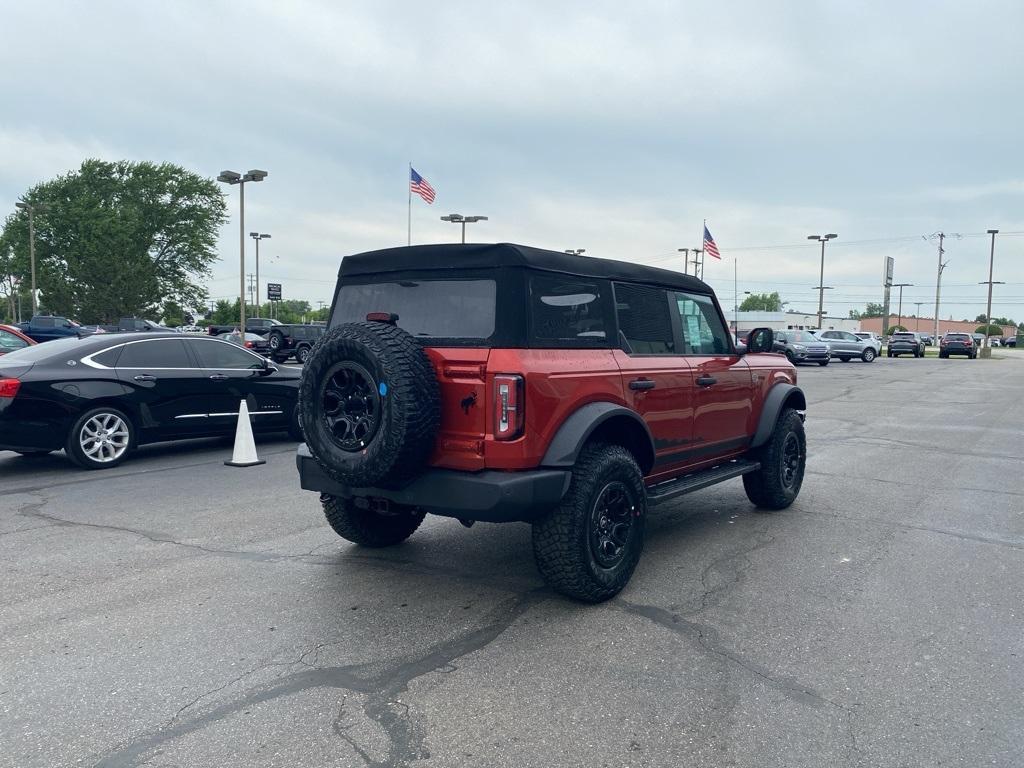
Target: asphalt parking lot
(177,612)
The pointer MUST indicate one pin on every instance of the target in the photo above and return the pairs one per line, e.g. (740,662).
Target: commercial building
(927,325)
(788,321)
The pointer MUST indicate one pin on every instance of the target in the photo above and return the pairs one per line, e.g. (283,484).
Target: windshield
(442,309)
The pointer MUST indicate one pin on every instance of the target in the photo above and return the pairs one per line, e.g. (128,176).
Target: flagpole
(702,248)
(735,301)
(408,186)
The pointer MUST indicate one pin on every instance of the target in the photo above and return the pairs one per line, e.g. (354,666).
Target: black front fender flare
(780,396)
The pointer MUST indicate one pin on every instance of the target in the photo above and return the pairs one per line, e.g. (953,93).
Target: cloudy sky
(614,127)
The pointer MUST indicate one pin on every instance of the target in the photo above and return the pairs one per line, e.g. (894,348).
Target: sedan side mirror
(760,340)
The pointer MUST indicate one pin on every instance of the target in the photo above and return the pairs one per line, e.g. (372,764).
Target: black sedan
(100,397)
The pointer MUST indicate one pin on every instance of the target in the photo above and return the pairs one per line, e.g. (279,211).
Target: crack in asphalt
(381,688)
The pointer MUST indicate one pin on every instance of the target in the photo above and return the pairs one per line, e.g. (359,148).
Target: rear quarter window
(569,312)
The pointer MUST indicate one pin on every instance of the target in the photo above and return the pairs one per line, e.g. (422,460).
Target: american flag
(709,244)
(420,186)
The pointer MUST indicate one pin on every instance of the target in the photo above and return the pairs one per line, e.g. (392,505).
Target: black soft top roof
(419,258)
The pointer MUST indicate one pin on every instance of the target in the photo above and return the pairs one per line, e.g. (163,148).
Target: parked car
(846,346)
(927,339)
(285,340)
(252,341)
(905,343)
(873,337)
(49,327)
(505,383)
(257,325)
(978,339)
(101,396)
(193,329)
(1010,341)
(802,347)
(12,339)
(957,344)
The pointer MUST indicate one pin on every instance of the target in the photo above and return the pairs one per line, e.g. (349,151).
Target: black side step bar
(656,494)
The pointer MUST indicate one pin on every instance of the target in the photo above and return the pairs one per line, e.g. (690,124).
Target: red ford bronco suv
(505,383)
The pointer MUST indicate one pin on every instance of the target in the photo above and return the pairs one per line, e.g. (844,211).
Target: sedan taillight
(509,406)
(9,387)
(248,345)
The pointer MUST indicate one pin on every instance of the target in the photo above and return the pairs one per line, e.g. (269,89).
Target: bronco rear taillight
(9,387)
(509,406)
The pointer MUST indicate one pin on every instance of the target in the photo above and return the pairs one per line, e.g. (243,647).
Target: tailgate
(460,372)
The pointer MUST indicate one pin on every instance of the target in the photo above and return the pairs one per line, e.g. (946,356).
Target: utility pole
(987,349)
(686,262)
(938,278)
(698,262)
(252,283)
(901,286)
(917,326)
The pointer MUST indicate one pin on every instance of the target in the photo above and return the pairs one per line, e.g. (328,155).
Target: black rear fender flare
(607,422)
(779,397)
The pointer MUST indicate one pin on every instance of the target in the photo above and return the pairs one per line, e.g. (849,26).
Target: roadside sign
(273,291)
(889,262)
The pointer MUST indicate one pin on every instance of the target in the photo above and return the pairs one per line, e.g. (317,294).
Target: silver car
(846,346)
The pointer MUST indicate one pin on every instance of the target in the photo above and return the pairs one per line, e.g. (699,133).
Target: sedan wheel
(101,438)
(868,356)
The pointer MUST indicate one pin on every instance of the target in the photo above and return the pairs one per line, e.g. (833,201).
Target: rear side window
(644,319)
(9,342)
(223,355)
(568,312)
(156,354)
(445,309)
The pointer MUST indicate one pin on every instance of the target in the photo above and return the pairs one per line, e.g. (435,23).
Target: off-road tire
(302,353)
(73,444)
(868,356)
(406,407)
(768,487)
(276,342)
(564,539)
(366,527)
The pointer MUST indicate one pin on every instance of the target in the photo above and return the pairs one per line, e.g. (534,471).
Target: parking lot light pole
(32,209)
(458,218)
(899,311)
(918,304)
(987,350)
(257,236)
(233,177)
(821,277)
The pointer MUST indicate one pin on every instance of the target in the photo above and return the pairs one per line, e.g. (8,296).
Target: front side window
(644,319)
(703,330)
(155,354)
(223,355)
(566,310)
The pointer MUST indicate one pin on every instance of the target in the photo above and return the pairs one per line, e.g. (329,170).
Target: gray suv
(905,343)
(846,346)
(801,347)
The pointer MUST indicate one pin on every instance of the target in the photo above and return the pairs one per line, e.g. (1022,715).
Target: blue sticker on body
(383,389)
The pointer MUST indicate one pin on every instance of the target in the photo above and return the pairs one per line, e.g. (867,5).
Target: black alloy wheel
(789,466)
(350,405)
(611,522)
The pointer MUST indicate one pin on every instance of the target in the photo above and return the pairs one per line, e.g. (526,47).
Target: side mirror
(268,368)
(760,340)
(741,348)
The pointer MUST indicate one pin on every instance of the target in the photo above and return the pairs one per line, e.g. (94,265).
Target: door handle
(218,377)
(145,377)
(706,381)
(641,384)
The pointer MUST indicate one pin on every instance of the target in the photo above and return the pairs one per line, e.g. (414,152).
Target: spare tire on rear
(370,405)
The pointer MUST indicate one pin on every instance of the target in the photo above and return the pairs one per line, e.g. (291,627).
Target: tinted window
(644,319)
(445,309)
(804,337)
(108,358)
(163,353)
(703,331)
(903,336)
(43,322)
(9,342)
(70,346)
(567,310)
(224,355)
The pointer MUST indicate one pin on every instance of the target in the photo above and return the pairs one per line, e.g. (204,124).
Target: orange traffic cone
(244,454)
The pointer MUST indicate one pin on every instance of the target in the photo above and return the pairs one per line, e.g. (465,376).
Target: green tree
(873,310)
(120,239)
(762,302)
(989,330)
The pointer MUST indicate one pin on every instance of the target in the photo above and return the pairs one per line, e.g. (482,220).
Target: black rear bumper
(488,496)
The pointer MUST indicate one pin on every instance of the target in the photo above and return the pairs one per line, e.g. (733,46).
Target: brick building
(927,325)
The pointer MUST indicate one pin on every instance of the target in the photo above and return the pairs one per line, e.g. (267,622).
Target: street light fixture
(821,278)
(32,210)
(987,351)
(899,316)
(233,177)
(458,218)
(576,251)
(257,236)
